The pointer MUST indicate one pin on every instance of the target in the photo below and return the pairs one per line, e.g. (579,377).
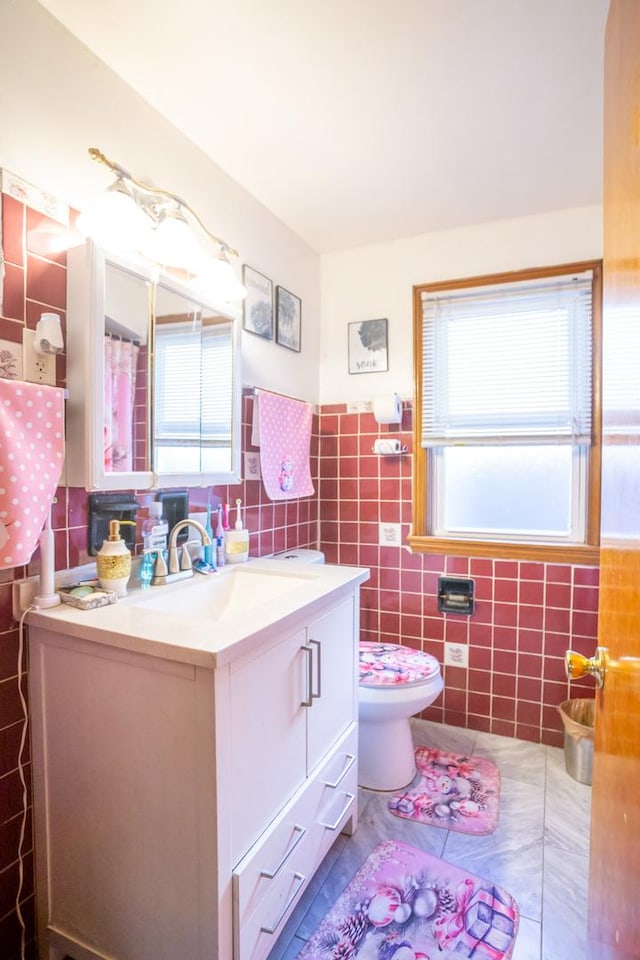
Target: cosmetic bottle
(236,541)
(155,529)
(113,561)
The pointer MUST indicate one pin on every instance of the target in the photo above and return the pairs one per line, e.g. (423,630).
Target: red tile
(529,665)
(586,576)
(411,581)
(528,713)
(506,591)
(479,723)
(12,220)
(530,617)
(483,612)
(481,568)
(480,658)
(532,571)
(553,669)
(525,732)
(557,621)
(455,699)
(529,688)
(369,510)
(349,554)
(554,693)
(585,598)
(348,468)
(506,569)
(46,282)
(434,629)
(455,678)
(410,626)
(46,238)
(479,703)
(532,591)
(434,562)
(390,511)
(504,638)
(555,644)
(585,624)
(557,573)
(14,292)
(389,600)
(483,588)
(458,566)
(389,624)
(349,446)
(368,489)
(504,685)
(504,661)
(503,708)
(389,489)
(349,423)
(455,630)
(479,681)
(505,614)
(480,634)
(558,595)
(530,641)
(552,738)
(369,555)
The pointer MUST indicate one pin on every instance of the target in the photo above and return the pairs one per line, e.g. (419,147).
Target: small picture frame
(258,304)
(368,346)
(10,360)
(288,319)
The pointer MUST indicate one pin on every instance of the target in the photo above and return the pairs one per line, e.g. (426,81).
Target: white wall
(57,100)
(377,281)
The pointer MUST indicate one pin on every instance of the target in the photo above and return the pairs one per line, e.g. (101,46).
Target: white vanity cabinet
(180,810)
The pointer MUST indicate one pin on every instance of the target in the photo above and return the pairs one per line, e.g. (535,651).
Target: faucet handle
(185,558)
(160,566)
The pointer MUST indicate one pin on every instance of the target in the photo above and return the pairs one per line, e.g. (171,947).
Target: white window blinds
(508,363)
(193,384)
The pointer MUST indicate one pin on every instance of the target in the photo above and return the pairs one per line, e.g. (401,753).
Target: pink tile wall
(526,614)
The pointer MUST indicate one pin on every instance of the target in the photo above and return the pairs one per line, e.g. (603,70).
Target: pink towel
(282,430)
(31,458)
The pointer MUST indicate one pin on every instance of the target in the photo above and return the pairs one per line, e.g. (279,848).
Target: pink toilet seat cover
(389,664)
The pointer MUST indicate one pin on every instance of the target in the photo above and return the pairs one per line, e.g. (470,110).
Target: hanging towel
(282,429)
(31,458)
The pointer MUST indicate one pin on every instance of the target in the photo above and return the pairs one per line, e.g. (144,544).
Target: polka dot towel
(282,429)
(31,459)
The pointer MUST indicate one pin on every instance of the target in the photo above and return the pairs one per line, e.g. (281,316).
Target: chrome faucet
(179,567)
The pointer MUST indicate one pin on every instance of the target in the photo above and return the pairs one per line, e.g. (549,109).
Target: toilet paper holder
(388,447)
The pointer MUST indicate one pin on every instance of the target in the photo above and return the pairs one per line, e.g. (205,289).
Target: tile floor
(539,851)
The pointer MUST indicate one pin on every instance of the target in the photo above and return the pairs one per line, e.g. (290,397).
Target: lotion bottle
(113,562)
(236,541)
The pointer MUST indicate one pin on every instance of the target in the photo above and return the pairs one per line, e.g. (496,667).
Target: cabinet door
(267,733)
(333,643)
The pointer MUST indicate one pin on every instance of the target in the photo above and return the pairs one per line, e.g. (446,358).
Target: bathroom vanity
(194,758)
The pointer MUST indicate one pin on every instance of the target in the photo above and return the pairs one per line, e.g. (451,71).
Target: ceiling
(363,121)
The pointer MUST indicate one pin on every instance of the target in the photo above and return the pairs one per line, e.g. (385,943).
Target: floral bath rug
(454,791)
(405,904)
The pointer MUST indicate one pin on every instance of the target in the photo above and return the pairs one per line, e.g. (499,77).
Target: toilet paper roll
(386,447)
(388,409)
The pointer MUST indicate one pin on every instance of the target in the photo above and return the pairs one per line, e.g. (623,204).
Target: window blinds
(508,363)
(191,403)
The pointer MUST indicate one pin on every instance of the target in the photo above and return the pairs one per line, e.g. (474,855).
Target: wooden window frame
(419,538)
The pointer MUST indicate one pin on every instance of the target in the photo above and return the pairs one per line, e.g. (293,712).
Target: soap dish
(87,595)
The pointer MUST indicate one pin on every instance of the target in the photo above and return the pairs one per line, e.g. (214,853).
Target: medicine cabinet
(153,374)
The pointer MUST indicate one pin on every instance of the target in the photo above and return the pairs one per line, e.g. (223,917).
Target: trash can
(578,719)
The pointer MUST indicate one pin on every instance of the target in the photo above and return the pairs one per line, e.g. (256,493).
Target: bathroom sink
(224,594)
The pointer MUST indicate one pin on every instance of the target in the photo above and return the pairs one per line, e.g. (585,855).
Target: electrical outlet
(37,367)
(456,655)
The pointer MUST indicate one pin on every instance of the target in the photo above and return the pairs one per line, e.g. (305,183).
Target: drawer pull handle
(270,874)
(296,891)
(316,644)
(334,826)
(309,651)
(350,760)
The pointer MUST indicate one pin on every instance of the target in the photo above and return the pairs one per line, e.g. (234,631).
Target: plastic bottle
(220,540)
(237,540)
(113,561)
(155,529)
(146,568)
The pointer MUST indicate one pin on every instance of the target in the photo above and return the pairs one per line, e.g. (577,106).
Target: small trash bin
(578,719)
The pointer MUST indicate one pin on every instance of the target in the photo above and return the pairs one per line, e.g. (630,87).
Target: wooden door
(614,881)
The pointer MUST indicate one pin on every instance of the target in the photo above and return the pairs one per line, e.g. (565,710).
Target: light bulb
(114,220)
(173,243)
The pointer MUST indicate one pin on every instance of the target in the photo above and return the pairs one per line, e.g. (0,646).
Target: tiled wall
(526,614)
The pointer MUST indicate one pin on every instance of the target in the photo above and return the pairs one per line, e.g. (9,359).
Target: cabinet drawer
(302,833)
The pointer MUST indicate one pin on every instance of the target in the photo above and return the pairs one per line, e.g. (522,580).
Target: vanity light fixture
(135,216)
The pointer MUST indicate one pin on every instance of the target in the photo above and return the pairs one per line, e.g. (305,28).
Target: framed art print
(288,317)
(368,346)
(258,305)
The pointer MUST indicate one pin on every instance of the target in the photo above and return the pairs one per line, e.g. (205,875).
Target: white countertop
(209,620)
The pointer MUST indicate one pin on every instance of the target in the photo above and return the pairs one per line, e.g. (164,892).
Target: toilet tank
(302,555)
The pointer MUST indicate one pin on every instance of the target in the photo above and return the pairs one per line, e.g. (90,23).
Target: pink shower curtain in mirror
(121,357)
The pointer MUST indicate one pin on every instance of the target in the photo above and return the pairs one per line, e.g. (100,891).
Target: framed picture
(368,346)
(288,311)
(10,360)
(258,305)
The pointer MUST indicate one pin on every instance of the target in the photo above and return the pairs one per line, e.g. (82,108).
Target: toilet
(395,682)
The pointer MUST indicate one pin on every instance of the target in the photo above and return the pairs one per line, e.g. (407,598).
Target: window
(192,426)
(507,432)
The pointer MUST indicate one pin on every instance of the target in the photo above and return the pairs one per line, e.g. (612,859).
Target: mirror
(154,379)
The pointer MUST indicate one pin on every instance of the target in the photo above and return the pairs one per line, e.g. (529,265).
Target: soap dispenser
(113,561)
(236,541)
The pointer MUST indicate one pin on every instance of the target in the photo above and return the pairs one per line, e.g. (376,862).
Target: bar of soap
(80,591)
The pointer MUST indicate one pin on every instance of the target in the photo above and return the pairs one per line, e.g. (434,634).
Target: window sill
(585,555)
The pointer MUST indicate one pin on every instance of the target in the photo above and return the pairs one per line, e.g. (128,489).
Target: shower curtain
(121,359)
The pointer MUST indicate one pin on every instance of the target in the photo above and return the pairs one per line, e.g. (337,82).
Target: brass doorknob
(578,666)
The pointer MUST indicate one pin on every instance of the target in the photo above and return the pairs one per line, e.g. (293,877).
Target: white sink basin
(226,593)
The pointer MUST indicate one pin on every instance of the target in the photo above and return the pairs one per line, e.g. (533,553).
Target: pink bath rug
(405,904)
(454,791)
